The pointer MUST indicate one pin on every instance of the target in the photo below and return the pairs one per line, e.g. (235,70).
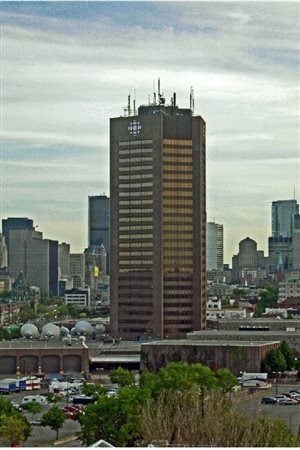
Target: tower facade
(283,212)
(99,223)
(214,246)
(157,222)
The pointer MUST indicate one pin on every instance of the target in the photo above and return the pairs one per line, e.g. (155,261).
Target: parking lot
(290,414)
(44,436)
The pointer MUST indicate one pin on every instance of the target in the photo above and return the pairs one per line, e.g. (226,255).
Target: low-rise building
(77,297)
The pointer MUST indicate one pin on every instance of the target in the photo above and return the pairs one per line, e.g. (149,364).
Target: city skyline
(68,67)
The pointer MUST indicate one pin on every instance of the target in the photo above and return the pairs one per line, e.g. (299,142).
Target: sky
(67,67)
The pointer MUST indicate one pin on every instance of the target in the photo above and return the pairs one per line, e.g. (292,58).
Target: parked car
(280,397)
(288,401)
(17,406)
(269,401)
(36,422)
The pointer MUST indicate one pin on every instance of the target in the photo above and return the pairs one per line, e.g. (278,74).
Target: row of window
(135,244)
(137,227)
(135,262)
(175,209)
(136,211)
(136,202)
(136,159)
(134,295)
(178,177)
(177,158)
(136,176)
(140,185)
(136,193)
(132,151)
(177,194)
(179,185)
(144,253)
(134,168)
(136,142)
(136,219)
(175,202)
(136,236)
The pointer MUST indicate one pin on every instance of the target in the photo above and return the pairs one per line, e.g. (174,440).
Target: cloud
(68,67)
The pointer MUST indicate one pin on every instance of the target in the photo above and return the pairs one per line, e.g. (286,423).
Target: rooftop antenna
(129,110)
(134,110)
(154,93)
(192,104)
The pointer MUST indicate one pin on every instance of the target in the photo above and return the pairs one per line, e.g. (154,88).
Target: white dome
(29,330)
(51,330)
(83,327)
(100,328)
(64,331)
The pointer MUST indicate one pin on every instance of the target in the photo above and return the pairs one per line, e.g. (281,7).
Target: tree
(267,299)
(94,390)
(115,419)
(226,380)
(274,361)
(14,428)
(121,376)
(33,407)
(289,355)
(239,292)
(54,418)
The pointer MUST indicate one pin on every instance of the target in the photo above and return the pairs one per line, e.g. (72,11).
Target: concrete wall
(235,357)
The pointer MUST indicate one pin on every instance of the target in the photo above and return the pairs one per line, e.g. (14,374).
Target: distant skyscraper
(77,269)
(283,212)
(296,243)
(3,251)
(36,257)
(64,259)
(15,223)
(99,222)
(158,220)
(214,246)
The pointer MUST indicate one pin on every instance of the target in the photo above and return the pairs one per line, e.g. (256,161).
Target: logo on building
(134,127)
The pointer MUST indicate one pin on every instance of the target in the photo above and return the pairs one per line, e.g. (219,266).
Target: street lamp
(277,375)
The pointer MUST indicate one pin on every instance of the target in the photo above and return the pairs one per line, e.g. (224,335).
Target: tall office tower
(99,223)
(36,257)
(15,223)
(63,259)
(3,251)
(77,269)
(214,246)
(283,212)
(296,243)
(157,222)
(280,253)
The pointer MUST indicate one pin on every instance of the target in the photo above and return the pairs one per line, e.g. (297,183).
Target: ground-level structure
(237,356)
(31,360)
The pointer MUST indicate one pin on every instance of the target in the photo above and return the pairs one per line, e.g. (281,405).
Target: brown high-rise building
(158,222)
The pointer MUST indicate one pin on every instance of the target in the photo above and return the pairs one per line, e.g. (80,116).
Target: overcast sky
(68,67)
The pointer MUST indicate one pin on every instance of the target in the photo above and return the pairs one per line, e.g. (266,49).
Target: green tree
(33,407)
(115,419)
(267,299)
(54,418)
(226,380)
(239,292)
(27,314)
(62,311)
(73,311)
(121,376)
(14,428)
(289,355)
(274,361)
(93,389)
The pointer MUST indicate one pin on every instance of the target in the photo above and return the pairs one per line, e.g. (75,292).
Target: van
(34,398)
